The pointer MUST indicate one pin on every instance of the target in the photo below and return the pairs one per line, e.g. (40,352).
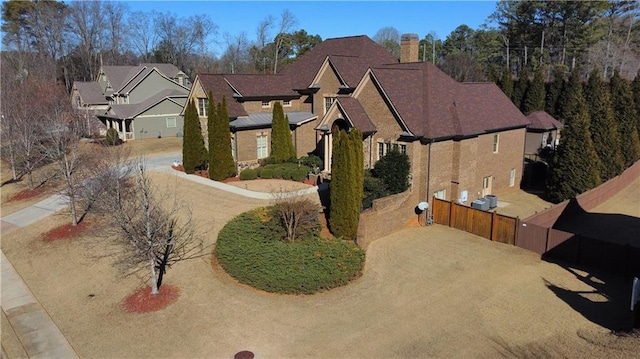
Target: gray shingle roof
(264,119)
(132,110)
(90,93)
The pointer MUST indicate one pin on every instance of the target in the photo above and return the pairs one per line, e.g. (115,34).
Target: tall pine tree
(554,91)
(193,150)
(534,97)
(520,88)
(625,116)
(506,83)
(604,131)
(575,165)
(282,148)
(221,164)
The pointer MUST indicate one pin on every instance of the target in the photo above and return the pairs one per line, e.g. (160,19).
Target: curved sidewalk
(38,334)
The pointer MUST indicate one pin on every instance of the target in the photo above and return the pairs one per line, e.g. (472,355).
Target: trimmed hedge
(248,251)
(248,174)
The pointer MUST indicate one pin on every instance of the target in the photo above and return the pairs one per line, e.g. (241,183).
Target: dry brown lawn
(425,292)
(154,146)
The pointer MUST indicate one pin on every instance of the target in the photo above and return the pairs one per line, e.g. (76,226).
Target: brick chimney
(409,44)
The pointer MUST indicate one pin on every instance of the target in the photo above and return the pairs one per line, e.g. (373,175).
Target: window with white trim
(286,103)
(203,103)
(171,122)
(441,194)
(233,147)
(266,103)
(328,101)
(380,150)
(261,141)
(495,143)
(403,149)
(512,177)
(486,182)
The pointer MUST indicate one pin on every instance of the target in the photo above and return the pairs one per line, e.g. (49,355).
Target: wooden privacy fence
(490,225)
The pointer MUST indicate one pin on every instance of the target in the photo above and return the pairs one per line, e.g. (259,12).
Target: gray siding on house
(153,84)
(154,121)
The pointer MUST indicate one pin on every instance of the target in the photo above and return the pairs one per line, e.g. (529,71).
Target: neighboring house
(543,135)
(464,140)
(306,89)
(88,101)
(142,101)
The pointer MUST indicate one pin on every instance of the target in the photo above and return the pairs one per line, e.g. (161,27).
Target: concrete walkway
(38,334)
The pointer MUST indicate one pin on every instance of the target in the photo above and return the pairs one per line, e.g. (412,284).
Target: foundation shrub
(248,174)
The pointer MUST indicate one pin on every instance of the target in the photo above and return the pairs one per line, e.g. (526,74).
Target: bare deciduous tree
(287,21)
(21,125)
(63,129)
(295,213)
(152,229)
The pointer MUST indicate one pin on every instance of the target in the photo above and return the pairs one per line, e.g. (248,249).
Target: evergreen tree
(221,165)
(520,88)
(554,91)
(635,91)
(534,97)
(394,170)
(575,165)
(193,150)
(282,148)
(625,117)
(604,131)
(347,183)
(506,83)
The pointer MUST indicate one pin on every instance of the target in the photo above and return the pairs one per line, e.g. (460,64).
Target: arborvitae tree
(554,91)
(193,150)
(520,88)
(604,131)
(211,115)
(282,148)
(347,180)
(625,116)
(635,90)
(221,164)
(575,165)
(506,83)
(534,97)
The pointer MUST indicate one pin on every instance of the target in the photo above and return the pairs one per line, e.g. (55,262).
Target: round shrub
(258,171)
(266,173)
(277,172)
(248,174)
(287,173)
(300,174)
(249,253)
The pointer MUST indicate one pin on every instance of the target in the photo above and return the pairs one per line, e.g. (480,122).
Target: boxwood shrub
(248,174)
(247,250)
(266,173)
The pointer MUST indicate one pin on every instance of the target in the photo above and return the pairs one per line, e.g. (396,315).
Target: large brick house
(464,140)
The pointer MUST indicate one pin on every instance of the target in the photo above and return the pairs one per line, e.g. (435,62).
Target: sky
(332,18)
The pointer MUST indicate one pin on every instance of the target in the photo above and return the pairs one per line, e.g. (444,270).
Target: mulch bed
(142,301)
(65,231)
(27,193)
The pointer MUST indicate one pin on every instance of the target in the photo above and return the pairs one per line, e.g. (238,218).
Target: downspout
(370,151)
(429,171)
